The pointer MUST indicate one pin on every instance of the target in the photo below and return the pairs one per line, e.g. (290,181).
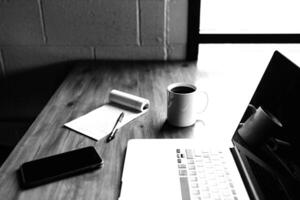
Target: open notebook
(99,122)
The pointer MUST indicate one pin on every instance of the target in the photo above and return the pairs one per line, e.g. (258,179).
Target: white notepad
(99,122)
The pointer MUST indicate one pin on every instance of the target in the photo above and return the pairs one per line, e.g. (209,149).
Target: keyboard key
(202,182)
(213,183)
(202,176)
(205,195)
(182,166)
(183,172)
(193,173)
(233,192)
(193,179)
(189,154)
(190,161)
(192,167)
(196,192)
(199,160)
(225,193)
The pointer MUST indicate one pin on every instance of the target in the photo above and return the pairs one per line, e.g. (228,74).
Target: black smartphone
(48,169)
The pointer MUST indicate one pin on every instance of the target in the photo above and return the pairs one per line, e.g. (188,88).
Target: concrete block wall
(35,33)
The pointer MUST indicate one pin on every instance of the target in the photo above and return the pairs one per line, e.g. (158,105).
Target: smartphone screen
(59,166)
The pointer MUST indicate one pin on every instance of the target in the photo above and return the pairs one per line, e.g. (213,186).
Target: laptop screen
(278,93)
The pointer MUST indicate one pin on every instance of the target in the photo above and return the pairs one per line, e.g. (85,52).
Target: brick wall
(34,33)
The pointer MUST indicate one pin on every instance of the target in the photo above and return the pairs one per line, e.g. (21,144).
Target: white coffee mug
(182,105)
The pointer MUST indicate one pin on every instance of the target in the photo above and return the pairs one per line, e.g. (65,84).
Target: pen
(115,130)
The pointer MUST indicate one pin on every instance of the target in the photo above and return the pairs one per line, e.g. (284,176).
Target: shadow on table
(169,131)
(23,96)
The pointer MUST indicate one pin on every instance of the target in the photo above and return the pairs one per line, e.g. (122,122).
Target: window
(242,22)
(249,16)
(249,21)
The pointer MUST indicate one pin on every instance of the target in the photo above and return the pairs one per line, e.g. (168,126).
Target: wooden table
(86,88)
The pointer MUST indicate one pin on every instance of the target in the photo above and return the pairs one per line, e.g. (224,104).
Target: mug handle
(204,107)
(251,110)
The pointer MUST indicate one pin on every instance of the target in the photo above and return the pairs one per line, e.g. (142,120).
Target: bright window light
(249,16)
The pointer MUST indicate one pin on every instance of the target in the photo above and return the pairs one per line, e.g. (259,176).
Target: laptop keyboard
(204,175)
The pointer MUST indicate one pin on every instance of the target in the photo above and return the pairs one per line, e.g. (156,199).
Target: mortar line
(94,52)
(166,28)
(2,63)
(42,19)
(138,22)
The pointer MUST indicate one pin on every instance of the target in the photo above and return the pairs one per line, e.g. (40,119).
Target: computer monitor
(275,164)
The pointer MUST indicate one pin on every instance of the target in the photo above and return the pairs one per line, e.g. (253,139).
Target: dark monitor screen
(278,92)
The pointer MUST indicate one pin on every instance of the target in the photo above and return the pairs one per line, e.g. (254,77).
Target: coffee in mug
(183,89)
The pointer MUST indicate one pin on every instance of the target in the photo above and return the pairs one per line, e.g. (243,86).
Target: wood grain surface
(86,88)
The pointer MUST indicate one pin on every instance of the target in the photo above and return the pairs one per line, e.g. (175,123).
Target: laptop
(184,169)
